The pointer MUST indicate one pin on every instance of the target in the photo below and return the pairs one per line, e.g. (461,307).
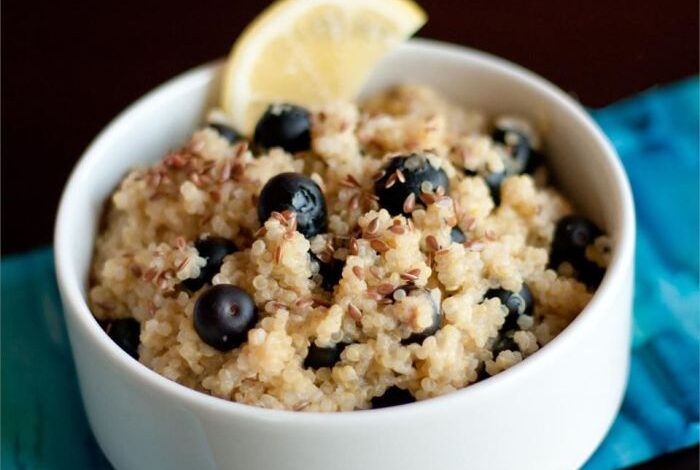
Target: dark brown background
(69,67)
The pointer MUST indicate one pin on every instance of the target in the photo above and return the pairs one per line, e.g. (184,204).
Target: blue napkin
(656,134)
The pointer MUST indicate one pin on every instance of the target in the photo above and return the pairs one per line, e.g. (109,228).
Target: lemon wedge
(308,52)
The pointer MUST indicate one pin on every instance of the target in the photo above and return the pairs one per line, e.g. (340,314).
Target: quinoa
(209,187)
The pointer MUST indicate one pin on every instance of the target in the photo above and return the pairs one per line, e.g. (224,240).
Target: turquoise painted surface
(44,425)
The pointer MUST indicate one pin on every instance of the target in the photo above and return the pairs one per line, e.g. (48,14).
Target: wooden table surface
(68,67)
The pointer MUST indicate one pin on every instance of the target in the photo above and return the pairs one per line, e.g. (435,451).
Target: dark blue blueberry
(481,373)
(284,125)
(572,235)
(536,160)
(517,144)
(214,250)
(223,314)
(330,272)
(393,396)
(494,181)
(590,273)
(318,357)
(125,332)
(504,342)
(228,133)
(419,337)
(295,192)
(517,304)
(457,235)
(415,170)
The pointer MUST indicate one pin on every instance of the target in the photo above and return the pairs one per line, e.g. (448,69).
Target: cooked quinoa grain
(427,208)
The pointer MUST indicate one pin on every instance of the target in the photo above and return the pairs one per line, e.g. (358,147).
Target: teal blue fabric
(43,422)
(656,134)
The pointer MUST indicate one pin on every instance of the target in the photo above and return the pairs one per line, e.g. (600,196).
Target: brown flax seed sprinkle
(432,243)
(304,302)
(385,289)
(410,203)
(354,312)
(379,245)
(353,247)
(278,254)
(373,226)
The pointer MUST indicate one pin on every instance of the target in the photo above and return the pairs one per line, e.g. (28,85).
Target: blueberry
(284,125)
(524,157)
(572,235)
(517,144)
(416,170)
(223,314)
(536,160)
(393,396)
(457,236)
(419,337)
(481,373)
(125,332)
(214,250)
(493,181)
(318,357)
(504,342)
(228,133)
(590,273)
(298,193)
(330,272)
(517,304)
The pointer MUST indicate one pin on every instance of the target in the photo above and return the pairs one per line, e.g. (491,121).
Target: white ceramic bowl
(549,412)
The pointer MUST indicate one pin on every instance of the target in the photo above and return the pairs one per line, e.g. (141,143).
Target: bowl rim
(622,253)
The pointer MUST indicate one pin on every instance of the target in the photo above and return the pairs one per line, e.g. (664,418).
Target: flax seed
(279,217)
(278,254)
(379,245)
(136,270)
(354,312)
(410,203)
(432,243)
(150,274)
(373,226)
(304,302)
(353,246)
(385,289)
(181,265)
